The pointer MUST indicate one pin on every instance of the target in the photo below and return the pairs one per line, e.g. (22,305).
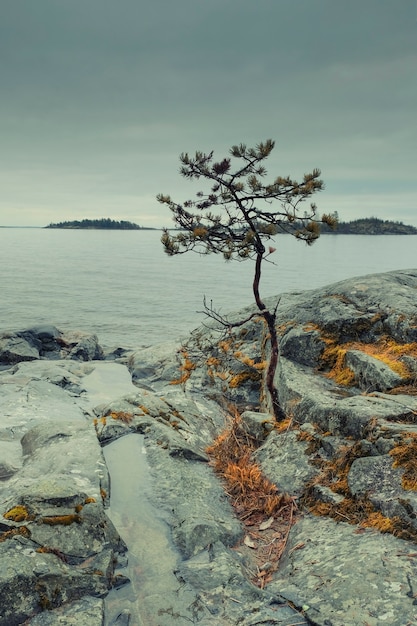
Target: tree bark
(270,319)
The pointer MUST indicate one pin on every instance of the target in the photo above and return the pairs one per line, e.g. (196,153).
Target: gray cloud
(99,98)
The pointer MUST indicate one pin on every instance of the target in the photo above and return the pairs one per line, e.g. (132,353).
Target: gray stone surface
(371,374)
(47,342)
(341,578)
(60,553)
(284,461)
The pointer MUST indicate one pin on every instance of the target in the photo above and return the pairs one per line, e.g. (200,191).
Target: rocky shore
(346,456)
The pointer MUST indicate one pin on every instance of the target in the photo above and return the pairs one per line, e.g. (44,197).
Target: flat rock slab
(340,577)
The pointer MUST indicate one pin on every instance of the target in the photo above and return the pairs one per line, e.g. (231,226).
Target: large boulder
(346,379)
(47,342)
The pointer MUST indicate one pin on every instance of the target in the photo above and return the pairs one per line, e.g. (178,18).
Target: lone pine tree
(237,215)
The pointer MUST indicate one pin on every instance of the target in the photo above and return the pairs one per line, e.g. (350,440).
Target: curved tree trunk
(270,319)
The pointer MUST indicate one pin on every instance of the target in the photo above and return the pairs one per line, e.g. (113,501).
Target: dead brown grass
(405,456)
(254,497)
(386,350)
(186,367)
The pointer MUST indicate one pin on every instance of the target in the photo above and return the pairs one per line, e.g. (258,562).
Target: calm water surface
(123,287)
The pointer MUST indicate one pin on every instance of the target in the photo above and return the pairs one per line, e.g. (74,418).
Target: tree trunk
(270,319)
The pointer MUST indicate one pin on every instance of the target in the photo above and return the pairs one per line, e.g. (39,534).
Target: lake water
(121,285)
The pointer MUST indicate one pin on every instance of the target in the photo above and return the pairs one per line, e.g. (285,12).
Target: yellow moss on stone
(405,457)
(242,377)
(18,513)
(23,531)
(386,350)
(61,520)
(122,416)
(186,368)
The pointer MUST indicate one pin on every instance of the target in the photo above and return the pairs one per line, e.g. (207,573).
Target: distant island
(104,223)
(371,226)
(361,226)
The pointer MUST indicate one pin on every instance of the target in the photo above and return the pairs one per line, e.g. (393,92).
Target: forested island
(371,226)
(361,226)
(102,223)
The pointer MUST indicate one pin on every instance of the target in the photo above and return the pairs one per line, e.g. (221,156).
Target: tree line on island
(370,226)
(104,223)
(361,226)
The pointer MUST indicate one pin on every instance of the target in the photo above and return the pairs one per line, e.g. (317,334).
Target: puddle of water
(107,382)
(152,594)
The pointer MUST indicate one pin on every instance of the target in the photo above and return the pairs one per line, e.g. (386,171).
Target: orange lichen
(225,345)
(186,367)
(55,551)
(386,350)
(405,456)
(392,525)
(242,377)
(20,530)
(213,361)
(355,510)
(61,520)
(379,522)
(283,425)
(123,416)
(18,513)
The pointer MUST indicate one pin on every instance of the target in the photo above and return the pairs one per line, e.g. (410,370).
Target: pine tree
(237,215)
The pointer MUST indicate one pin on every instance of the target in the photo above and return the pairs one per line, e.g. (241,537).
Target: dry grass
(359,510)
(405,456)
(385,350)
(254,497)
(122,416)
(186,367)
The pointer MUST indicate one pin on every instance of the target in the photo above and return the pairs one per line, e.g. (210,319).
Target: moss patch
(186,367)
(61,520)
(18,513)
(386,350)
(23,531)
(405,456)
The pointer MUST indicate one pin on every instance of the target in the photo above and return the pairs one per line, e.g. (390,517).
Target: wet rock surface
(347,381)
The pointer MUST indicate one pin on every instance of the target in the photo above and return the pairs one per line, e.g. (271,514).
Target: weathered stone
(87,611)
(31,581)
(342,578)
(257,425)
(325,494)
(371,374)
(14,349)
(315,399)
(10,459)
(302,346)
(376,478)
(61,408)
(86,348)
(285,463)
(47,342)
(155,363)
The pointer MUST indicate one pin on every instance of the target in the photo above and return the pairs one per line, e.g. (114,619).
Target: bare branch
(210,312)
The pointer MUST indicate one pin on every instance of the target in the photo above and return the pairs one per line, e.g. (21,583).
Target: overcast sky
(99,97)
